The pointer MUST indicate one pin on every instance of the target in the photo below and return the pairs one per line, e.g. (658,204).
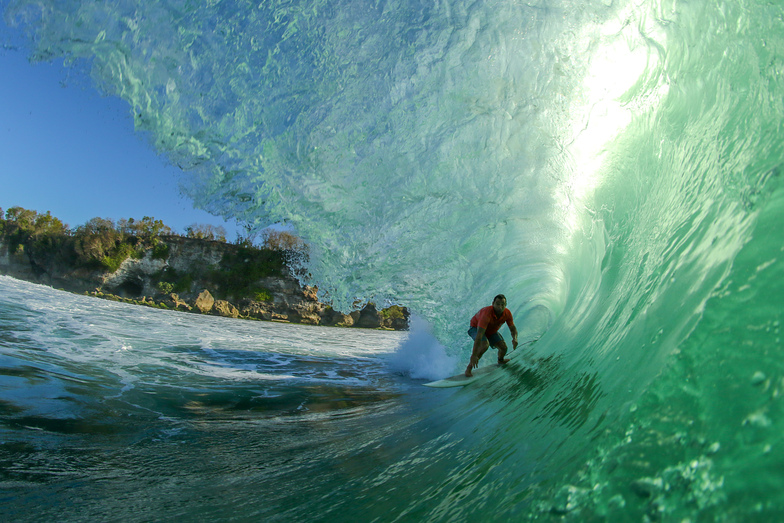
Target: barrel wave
(613,167)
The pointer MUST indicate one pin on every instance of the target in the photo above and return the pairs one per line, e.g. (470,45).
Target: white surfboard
(459,380)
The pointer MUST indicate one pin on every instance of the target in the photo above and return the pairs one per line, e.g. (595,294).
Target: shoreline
(162,304)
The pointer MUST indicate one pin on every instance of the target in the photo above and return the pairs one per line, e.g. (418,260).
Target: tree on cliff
(147,229)
(98,241)
(282,241)
(26,222)
(206,232)
(102,244)
(26,229)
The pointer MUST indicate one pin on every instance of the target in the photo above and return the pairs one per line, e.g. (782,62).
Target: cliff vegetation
(146,262)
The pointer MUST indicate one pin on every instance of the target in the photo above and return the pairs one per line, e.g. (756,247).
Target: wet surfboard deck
(460,380)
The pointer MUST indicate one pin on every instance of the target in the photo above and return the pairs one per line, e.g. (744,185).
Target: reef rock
(224,308)
(369,318)
(204,301)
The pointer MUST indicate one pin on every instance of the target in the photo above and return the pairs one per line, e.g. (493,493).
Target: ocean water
(613,167)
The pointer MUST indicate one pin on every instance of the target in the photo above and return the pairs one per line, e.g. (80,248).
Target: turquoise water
(612,167)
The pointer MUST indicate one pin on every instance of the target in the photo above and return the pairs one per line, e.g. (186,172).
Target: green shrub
(119,254)
(395,312)
(243,266)
(184,283)
(160,252)
(170,276)
(165,287)
(262,295)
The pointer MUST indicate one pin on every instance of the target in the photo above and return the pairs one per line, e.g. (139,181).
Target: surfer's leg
(475,357)
(501,353)
(484,345)
(483,348)
(500,344)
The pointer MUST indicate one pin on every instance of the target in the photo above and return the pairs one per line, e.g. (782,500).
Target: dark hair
(500,296)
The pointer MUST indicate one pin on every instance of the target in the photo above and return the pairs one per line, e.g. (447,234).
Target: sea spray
(421,356)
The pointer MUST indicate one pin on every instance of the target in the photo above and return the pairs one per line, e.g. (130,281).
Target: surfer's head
(499,303)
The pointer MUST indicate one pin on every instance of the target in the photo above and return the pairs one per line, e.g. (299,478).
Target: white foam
(421,356)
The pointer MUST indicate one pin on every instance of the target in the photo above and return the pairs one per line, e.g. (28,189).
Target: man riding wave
(484,331)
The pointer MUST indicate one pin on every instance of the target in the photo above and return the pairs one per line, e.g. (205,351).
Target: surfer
(484,331)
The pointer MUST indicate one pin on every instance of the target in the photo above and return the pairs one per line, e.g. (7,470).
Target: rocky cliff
(193,275)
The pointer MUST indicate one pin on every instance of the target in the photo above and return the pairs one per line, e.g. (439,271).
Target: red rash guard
(486,318)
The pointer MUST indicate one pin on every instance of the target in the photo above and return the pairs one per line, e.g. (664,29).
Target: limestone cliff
(202,276)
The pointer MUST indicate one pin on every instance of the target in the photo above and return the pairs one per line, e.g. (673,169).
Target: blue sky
(67,149)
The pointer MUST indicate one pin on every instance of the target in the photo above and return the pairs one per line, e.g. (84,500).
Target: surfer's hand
(474,361)
(514,343)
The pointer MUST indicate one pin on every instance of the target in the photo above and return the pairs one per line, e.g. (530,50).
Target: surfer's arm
(513,330)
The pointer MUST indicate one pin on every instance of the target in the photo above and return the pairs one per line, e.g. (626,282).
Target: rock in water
(224,308)
(204,301)
(369,318)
